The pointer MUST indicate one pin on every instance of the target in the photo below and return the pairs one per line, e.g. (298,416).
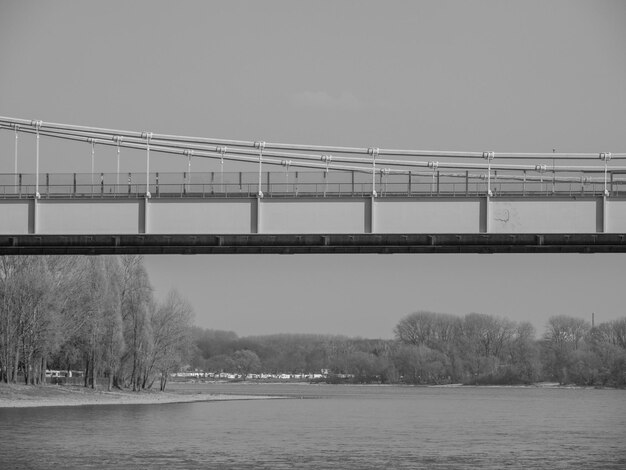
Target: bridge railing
(307,184)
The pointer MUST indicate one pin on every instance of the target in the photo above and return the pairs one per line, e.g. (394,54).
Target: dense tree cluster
(573,352)
(95,314)
(434,348)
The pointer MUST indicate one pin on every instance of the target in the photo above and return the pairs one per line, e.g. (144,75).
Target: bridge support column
(144,216)
(32,216)
(370,213)
(602,219)
(255,222)
(485,215)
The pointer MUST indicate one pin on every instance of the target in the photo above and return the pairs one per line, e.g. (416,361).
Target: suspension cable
(303,156)
(239,155)
(301,148)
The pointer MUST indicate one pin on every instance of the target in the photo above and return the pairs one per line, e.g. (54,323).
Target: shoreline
(29,396)
(546,385)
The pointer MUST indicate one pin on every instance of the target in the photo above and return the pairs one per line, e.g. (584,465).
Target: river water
(326,426)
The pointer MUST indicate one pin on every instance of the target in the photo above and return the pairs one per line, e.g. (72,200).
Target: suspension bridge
(288,198)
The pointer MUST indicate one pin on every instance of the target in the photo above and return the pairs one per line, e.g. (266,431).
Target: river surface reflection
(325,426)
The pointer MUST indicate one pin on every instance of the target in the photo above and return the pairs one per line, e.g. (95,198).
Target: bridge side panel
(15,216)
(428,215)
(89,216)
(322,215)
(544,215)
(195,216)
(616,215)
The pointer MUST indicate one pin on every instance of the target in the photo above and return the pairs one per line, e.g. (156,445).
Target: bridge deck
(416,216)
(315,198)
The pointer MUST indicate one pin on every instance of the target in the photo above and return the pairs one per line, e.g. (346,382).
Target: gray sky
(441,75)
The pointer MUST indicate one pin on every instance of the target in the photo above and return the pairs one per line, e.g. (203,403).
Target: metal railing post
(606,157)
(118,139)
(373,151)
(37,195)
(222,153)
(489,156)
(260,145)
(15,166)
(286,164)
(433,184)
(93,156)
(147,136)
(327,159)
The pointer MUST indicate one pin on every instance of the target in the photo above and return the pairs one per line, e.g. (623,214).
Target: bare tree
(102,323)
(435,330)
(563,336)
(171,336)
(136,300)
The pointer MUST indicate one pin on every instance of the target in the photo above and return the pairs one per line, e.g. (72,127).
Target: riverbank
(21,396)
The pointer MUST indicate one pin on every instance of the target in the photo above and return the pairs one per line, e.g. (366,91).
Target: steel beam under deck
(310,243)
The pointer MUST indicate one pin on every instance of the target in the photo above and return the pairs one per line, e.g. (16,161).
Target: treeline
(433,348)
(96,314)
(484,349)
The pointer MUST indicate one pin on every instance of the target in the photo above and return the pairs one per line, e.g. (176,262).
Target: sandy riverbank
(20,396)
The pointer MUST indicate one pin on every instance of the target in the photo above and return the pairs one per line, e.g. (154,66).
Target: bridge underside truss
(312,243)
